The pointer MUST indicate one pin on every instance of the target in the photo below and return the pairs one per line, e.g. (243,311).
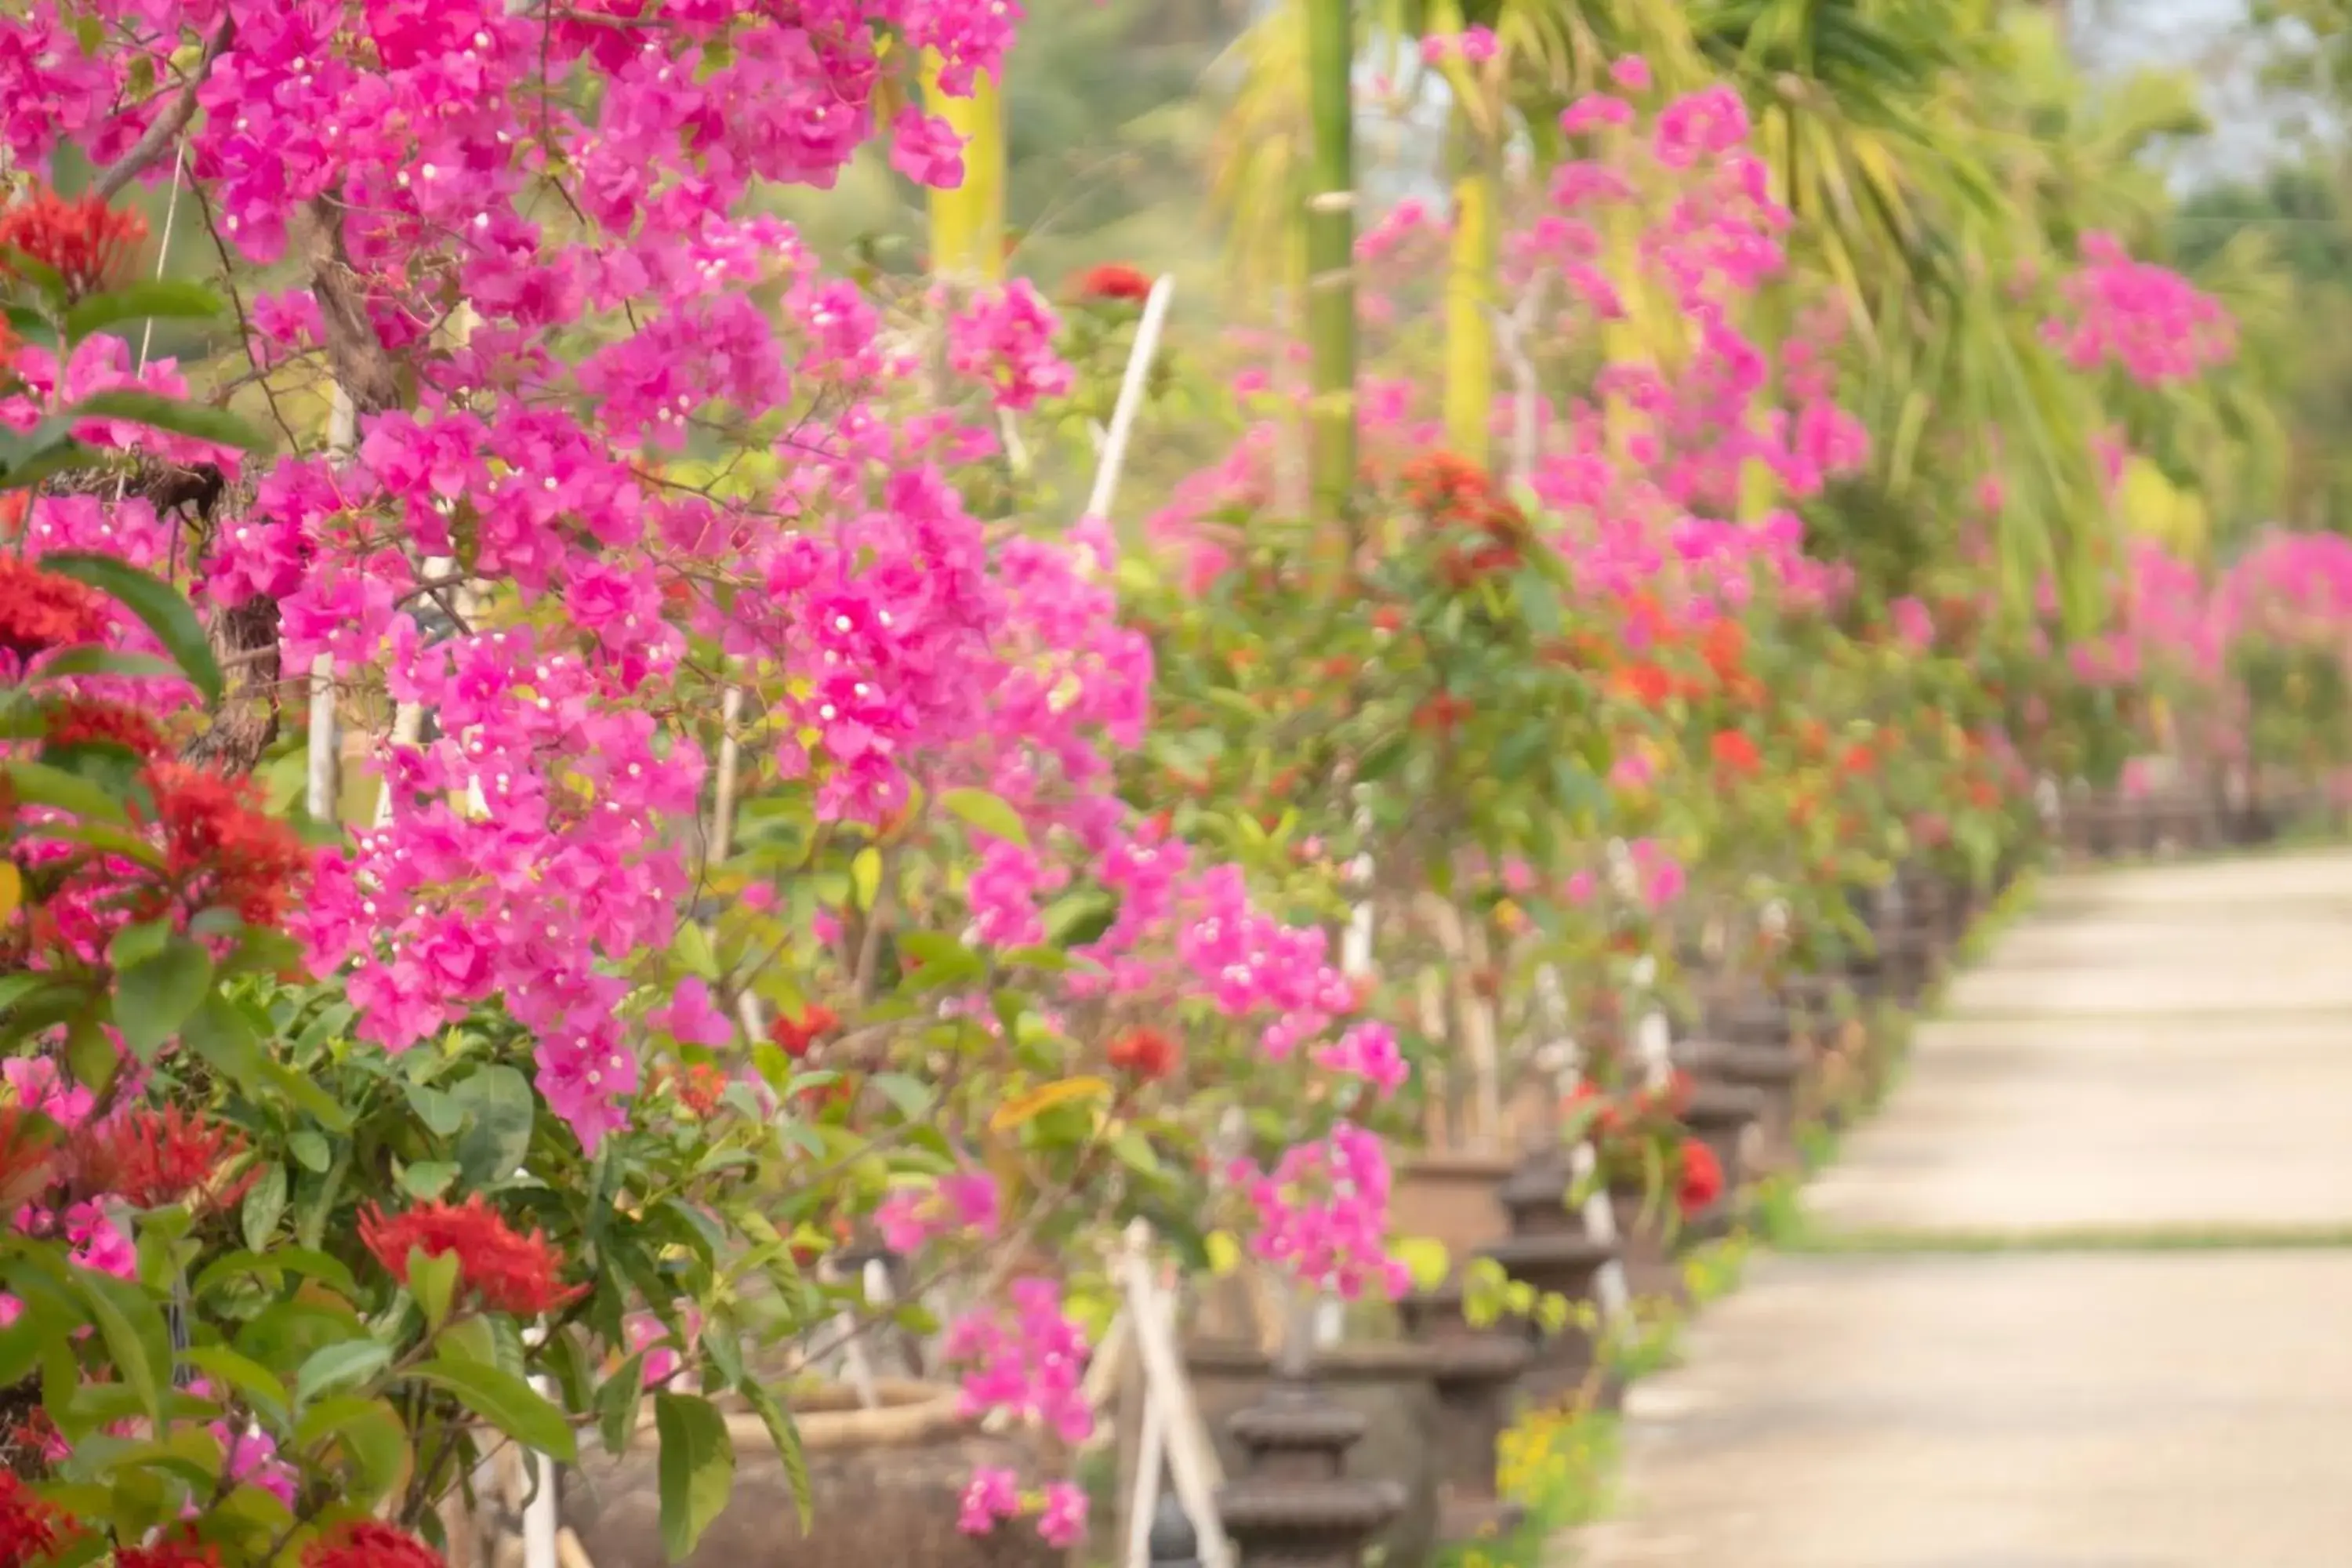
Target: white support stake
(1192,1461)
(1131,399)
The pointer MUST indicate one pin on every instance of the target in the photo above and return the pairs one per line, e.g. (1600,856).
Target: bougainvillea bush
(743,871)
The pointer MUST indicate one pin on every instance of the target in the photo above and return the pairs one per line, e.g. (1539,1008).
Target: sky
(2205,35)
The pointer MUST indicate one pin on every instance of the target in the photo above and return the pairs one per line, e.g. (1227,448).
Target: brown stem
(168,124)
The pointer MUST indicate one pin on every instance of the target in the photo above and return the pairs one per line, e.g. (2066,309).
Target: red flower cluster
(1146,1053)
(1700,1182)
(797,1034)
(179,1549)
(698,1085)
(221,848)
(364,1543)
(507,1271)
(1735,753)
(85,242)
(40,610)
(95,722)
(1454,492)
(1112,281)
(30,1529)
(28,1158)
(157,1157)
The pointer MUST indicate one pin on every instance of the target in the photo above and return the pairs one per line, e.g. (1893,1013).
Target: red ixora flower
(30,1528)
(179,1549)
(40,610)
(1735,752)
(699,1085)
(1146,1053)
(1113,280)
(220,848)
(506,1270)
(156,1157)
(86,243)
(1701,1180)
(95,722)
(365,1543)
(796,1034)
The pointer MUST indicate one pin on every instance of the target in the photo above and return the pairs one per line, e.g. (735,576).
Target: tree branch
(171,122)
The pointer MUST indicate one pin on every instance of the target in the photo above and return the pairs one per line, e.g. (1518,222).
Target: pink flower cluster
(1025,1357)
(2147,320)
(1324,1213)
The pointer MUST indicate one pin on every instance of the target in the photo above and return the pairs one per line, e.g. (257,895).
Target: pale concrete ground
(2078,1410)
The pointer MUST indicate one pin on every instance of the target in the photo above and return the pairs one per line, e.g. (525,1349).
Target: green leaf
(507,1403)
(335,1365)
(988,813)
(787,1439)
(104,661)
(865,877)
(911,1096)
(214,425)
(226,1042)
(693,949)
(159,605)
(428,1179)
(438,1109)
(696,1468)
(137,1342)
(36,783)
(310,1149)
(155,996)
(497,1108)
(241,1376)
(265,1205)
(149,298)
(618,1399)
(369,1430)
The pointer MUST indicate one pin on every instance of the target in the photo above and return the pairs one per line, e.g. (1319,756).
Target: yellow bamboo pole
(1469,309)
(967,221)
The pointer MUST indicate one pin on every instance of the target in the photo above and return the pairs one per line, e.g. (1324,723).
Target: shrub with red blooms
(40,610)
(156,1157)
(95,722)
(86,243)
(220,848)
(1112,281)
(31,1531)
(1146,1053)
(364,1543)
(1700,1181)
(504,1269)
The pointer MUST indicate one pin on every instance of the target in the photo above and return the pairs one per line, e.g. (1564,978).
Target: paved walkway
(2156,1061)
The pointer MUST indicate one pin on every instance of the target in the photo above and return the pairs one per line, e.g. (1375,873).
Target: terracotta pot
(888,1486)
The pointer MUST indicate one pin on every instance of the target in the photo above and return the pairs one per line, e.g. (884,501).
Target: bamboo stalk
(1469,397)
(967,221)
(1331,273)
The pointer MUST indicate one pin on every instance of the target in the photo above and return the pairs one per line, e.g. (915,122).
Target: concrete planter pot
(1744,1105)
(1474,1371)
(1452,1198)
(1385,1391)
(888,1487)
(1550,1251)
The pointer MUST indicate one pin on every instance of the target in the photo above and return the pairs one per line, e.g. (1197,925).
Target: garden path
(2078,1297)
